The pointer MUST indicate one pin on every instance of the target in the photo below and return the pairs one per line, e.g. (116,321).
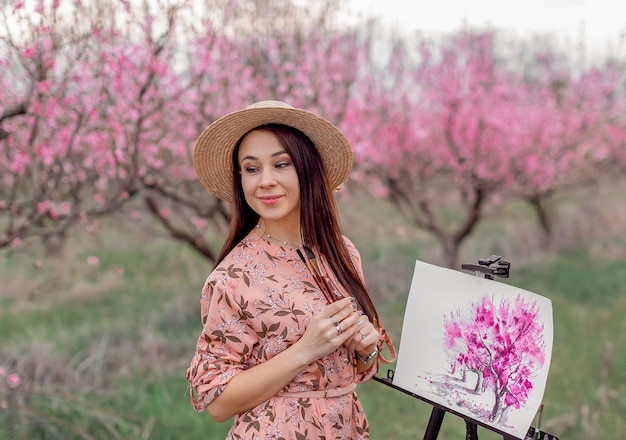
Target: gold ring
(362,334)
(339,329)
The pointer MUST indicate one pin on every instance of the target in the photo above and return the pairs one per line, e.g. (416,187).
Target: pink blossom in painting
(494,350)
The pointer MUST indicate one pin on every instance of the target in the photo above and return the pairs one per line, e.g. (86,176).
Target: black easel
(486,269)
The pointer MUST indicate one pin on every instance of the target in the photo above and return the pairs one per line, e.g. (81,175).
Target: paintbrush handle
(311,264)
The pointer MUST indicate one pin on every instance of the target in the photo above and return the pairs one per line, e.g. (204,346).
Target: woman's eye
(282,164)
(251,170)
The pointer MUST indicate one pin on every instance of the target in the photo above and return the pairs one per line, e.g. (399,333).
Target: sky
(597,24)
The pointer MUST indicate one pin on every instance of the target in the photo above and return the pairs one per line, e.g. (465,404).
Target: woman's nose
(267,177)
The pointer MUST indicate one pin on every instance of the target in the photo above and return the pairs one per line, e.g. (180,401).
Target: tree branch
(197,242)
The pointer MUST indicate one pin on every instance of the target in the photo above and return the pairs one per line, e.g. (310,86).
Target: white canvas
(476,346)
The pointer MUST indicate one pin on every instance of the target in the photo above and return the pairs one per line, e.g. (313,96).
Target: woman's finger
(365,336)
(336,307)
(337,312)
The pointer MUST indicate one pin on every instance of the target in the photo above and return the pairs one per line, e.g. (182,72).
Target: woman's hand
(365,339)
(332,327)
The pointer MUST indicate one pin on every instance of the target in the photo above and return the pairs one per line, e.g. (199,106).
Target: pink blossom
(93,260)
(44,87)
(65,208)
(199,223)
(44,206)
(13,380)
(29,52)
(46,153)
(20,161)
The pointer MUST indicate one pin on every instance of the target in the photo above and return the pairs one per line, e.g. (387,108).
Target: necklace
(269,237)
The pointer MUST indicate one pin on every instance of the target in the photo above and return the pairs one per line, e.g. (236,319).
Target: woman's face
(269,180)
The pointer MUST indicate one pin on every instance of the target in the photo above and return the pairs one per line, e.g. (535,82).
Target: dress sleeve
(225,343)
(355,256)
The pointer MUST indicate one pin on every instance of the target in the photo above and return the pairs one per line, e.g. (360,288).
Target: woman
(288,325)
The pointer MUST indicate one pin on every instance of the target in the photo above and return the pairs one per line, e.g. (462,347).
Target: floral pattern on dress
(255,304)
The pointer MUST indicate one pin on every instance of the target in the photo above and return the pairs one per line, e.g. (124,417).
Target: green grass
(102,350)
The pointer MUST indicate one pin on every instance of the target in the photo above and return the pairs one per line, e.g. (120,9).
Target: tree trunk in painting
(497,410)
(479,381)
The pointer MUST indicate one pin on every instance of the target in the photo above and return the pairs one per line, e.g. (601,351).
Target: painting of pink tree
(495,347)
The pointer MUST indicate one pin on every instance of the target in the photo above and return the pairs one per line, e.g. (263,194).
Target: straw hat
(212,155)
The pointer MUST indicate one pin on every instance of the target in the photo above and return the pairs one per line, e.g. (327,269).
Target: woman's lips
(269,200)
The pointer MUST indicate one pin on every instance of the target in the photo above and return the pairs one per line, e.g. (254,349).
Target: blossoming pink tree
(501,345)
(434,135)
(56,151)
(103,106)
(559,131)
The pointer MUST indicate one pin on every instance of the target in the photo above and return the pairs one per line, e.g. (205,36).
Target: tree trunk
(479,382)
(450,252)
(545,221)
(496,406)
(453,242)
(54,244)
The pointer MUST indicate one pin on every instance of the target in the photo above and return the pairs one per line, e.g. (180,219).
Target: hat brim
(212,155)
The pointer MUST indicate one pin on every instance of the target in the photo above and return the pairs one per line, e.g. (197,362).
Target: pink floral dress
(255,304)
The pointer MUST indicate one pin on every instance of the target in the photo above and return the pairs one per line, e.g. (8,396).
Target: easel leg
(434,424)
(471,431)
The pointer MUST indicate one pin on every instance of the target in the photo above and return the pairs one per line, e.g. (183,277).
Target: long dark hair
(319,220)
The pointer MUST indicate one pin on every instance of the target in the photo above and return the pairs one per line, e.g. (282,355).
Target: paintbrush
(310,262)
